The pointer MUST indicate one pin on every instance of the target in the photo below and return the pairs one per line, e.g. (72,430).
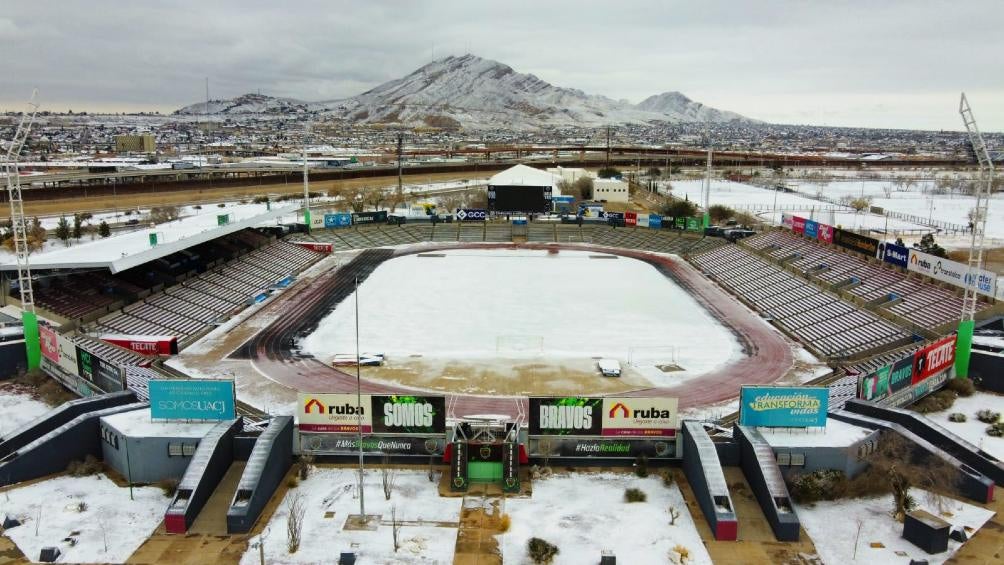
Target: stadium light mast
(984,186)
(706,189)
(29,319)
(306,181)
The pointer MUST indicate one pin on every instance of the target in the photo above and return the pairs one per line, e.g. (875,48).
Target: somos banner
(856,242)
(952,272)
(894,254)
(811,229)
(783,407)
(933,358)
(609,416)
(175,399)
(825,233)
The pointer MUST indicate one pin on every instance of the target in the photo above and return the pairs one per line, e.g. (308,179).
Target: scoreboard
(519,199)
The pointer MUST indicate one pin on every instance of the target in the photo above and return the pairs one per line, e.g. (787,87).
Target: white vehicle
(610,367)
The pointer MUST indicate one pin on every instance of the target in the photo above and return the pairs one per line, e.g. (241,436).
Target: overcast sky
(867,63)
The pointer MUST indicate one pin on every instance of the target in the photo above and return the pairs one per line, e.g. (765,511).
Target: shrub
(961,386)
(260,199)
(635,495)
(941,400)
(221,205)
(89,466)
(169,486)
(824,484)
(957,417)
(683,552)
(293,481)
(505,523)
(667,479)
(608,173)
(996,430)
(988,416)
(641,466)
(541,551)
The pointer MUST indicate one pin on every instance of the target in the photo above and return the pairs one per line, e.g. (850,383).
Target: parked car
(737,234)
(610,367)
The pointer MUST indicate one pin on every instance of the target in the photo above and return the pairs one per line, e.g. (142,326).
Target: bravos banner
(894,254)
(397,414)
(933,358)
(332,444)
(952,272)
(856,242)
(602,448)
(608,416)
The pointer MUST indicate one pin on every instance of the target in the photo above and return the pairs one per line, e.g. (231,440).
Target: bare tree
(294,522)
(387,477)
(673,515)
(895,459)
(395,527)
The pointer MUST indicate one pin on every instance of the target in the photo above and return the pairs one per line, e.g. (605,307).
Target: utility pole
(707,189)
(306,181)
(359,414)
(608,146)
(400,151)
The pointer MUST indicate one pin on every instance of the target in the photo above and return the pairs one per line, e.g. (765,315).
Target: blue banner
(894,254)
(192,400)
(337,220)
(811,229)
(783,407)
(654,221)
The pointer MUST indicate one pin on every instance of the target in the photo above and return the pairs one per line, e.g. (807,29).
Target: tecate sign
(952,272)
(640,416)
(334,413)
(783,407)
(933,358)
(192,400)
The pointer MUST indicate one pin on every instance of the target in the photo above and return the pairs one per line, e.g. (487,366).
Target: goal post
(519,344)
(652,354)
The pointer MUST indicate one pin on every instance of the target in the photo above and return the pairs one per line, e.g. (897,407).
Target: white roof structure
(137,423)
(127,250)
(522,175)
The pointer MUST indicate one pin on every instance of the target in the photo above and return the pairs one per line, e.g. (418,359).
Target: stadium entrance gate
(485,450)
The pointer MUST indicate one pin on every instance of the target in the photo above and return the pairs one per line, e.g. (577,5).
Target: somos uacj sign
(388,414)
(608,416)
(192,400)
(783,407)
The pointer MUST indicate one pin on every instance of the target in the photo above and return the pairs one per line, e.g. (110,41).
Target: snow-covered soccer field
(499,306)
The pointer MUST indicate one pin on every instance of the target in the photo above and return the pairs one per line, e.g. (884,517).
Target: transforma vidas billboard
(783,406)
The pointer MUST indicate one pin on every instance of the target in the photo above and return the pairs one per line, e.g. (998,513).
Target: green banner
(963,348)
(31,339)
(693,224)
(681,223)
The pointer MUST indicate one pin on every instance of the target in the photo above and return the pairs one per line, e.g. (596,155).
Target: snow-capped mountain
(475,93)
(247,104)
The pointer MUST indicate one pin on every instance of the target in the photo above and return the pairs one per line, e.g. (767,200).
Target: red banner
(797,224)
(315,246)
(630,218)
(932,359)
(50,343)
(145,344)
(825,233)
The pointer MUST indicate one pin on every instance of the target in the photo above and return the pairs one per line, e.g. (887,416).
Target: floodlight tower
(21,251)
(706,189)
(306,182)
(983,190)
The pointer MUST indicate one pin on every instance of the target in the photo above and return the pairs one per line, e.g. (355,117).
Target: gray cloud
(880,64)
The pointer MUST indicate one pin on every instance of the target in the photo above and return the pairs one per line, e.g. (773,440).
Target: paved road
(768,355)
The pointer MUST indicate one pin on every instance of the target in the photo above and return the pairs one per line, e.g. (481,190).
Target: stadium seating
(908,295)
(824,322)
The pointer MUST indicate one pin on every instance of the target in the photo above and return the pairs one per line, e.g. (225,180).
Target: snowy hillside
(472,92)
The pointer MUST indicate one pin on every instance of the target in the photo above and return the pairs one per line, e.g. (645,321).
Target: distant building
(144,143)
(610,190)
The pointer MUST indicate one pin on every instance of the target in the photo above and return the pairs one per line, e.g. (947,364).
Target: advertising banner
(875,386)
(68,355)
(933,358)
(894,254)
(471,215)
(825,233)
(337,220)
(337,444)
(49,341)
(334,413)
(315,246)
(103,374)
(812,229)
(630,218)
(693,224)
(379,217)
(681,223)
(783,407)
(797,224)
(654,221)
(787,220)
(145,344)
(952,272)
(856,242)
(566,416)
(606,448)
(316,221)
(640,416)
(642,220)
(402,414)
(196,399)
(901,374)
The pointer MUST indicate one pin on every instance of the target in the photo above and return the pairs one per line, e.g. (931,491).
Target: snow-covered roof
(522,175)
(137,423)
(835,434)
(127,250)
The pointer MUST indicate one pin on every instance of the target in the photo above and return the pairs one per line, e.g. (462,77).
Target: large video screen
(519,199)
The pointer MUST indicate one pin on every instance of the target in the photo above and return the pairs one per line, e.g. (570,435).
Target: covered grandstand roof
(127,250)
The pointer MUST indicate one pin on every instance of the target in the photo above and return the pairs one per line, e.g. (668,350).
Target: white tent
(522,175)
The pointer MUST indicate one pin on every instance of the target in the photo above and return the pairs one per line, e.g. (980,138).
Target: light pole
(359,414)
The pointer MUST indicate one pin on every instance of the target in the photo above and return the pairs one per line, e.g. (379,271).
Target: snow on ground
(834,526)
(110,518)
(520,304)
(18,408)
(973,430)
(334,490)
(583,525)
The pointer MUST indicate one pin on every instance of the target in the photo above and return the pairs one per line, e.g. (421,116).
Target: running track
(768,355)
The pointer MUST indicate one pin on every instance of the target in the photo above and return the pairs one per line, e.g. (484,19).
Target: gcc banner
(933,358)
(825,233)
(197,399)
(952,272)
(392,414)
(471,214)
(608,416)
(894,254)
(783,407)
(856,242)
(811,229)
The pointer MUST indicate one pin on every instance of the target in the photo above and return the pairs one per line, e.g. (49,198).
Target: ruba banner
(382,414)
(856,242)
